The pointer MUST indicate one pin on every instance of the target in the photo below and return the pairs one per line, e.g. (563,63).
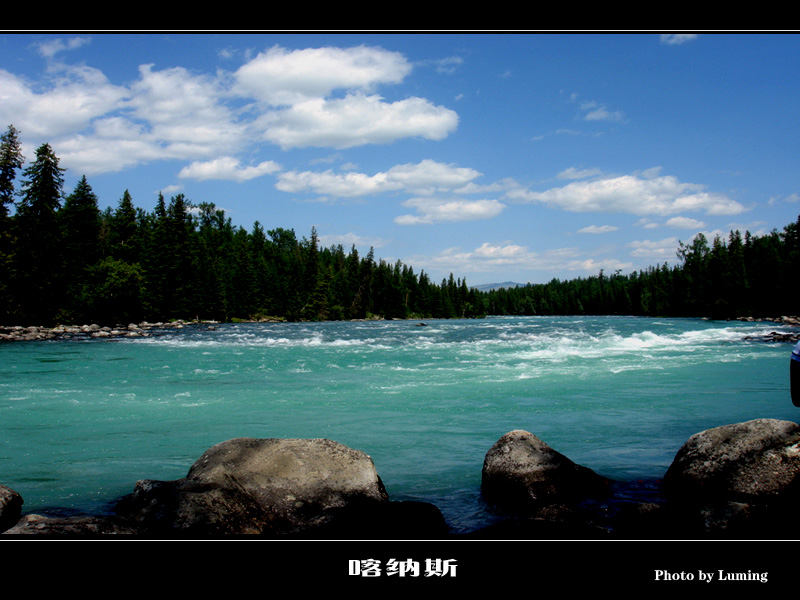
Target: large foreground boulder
(737,481)
(521,472)
(263,486)
(758,460)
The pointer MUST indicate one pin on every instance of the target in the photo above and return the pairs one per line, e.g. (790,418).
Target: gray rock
(263,486)
(300,482)
(751,461)
(520,471)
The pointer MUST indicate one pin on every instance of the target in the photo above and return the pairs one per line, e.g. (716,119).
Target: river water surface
(81,421)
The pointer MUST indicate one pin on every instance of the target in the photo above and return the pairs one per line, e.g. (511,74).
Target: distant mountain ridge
(488,287)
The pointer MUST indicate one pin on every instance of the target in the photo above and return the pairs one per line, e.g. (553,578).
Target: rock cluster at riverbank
(734,481)
(776,336)
(17,333)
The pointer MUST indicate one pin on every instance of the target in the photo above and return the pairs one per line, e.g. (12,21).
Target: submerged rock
(520,471)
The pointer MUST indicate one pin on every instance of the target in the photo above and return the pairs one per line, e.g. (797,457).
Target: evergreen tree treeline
(742,276)
(63,260)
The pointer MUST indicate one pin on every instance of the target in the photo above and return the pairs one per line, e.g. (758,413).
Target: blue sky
(496,156)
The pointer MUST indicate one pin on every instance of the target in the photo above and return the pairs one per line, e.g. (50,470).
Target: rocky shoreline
(20,333)
(736,481)
(776,336)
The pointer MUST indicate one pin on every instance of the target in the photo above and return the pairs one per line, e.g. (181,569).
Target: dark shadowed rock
(10,507)
(521,472)
(189,508)
(550,522)
(84,526)
(755,460)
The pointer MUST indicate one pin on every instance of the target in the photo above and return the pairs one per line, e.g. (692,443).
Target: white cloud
(280,97)
(595,112)
(329,183)
(662,250)
(227,167)
(598,229)
(685,223)
(429,176)
(425,177)
(491,258)
(50,48)
(356,120)
(632,194)
(281,77)
(70,103)
(431,210)
(295,88)
(351,239)
(573,173)
(448,65)
(185,109)
(674,39)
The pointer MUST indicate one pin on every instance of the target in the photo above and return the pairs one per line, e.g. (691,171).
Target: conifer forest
(63,260)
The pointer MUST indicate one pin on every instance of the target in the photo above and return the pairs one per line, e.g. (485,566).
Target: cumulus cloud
(73,99)
(317,97)
(289,77)
(434,210)
(296,88)
(186,110)
(424,177)
(356,120)
(598,229)
(228,168)
(633,194)
(490,258)
(685,223)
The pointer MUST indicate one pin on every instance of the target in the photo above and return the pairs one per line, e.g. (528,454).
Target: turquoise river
(82,421)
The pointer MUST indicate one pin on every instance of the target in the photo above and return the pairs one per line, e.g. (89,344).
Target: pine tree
(11,160)
(39,257)
(80,235)
(124,230)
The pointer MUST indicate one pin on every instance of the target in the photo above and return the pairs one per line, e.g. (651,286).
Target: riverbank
(18,333)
